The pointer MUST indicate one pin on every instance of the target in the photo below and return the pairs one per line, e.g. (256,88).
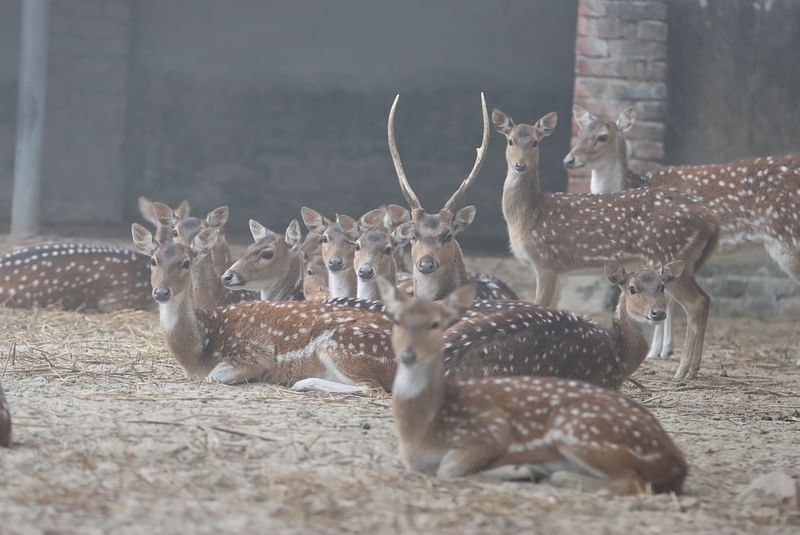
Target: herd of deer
(479,379)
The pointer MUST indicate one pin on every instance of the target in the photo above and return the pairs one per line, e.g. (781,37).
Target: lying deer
(337,249)
(454,428)
(5,421)
(315,279)
(438,262)
(755,200)
(555,233)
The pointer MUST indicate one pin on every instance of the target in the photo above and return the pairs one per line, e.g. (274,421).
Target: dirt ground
(109,436)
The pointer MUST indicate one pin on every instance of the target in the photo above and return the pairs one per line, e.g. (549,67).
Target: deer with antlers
(756,201)
(453,428)
(555,233)
(438,262)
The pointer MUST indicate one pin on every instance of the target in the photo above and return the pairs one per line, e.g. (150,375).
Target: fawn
(438,261)
(555,233)
(755,200)
(453,428)
(337,249)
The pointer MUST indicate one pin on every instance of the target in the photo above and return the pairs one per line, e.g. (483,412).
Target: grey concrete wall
(9,61)
(267,106)
(734,82)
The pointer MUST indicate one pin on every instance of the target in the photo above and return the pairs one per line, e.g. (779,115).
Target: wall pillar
(621,60)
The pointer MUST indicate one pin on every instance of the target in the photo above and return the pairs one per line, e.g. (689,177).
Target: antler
(408,193)
(481,155)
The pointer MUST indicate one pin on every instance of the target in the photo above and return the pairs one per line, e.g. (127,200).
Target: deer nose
(408,356)
(161,294)
(658,314)
(569,161)
(426,265)
(520,166)
(335,264)
(229,278)
(366,272)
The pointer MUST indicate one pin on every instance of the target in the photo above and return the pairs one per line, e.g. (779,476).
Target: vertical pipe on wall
(31,101)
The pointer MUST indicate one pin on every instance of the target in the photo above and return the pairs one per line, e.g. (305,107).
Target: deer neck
(611,176)
(221,255)
(417,398)
(633,345)
(288,285)
(520,190)
(369,289)
(206,284)
(185,333)
(439,284)
(342,283)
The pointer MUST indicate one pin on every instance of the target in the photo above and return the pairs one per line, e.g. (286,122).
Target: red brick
(606,28)
(652,30)
(591,47)
(579,185)
(647,150)
(592,8)
(652,131)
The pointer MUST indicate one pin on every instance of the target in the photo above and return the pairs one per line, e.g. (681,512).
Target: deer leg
(463,462)
(657,342)
(226,373)
(786,257)
(546,282)
(697,304)
(315,384)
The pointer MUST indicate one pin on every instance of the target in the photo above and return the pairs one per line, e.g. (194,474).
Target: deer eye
(309,272)
(357,246)
(661,288)
(602,138)
(510,142)
(435,325)
(632,290)
(175,232)
(186,264)
(535,143)
(267,255)
(324,238)
(387,251)
(153,262)
(447,237)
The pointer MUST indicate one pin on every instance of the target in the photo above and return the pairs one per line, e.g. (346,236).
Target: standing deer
(755,200)
(555,233)
(337,249)
(438,262)
(5,421)
(453,428)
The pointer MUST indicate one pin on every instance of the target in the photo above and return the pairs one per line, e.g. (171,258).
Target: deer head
(600,141)
(642,297)
(438,262)
(375,247)
(522,140)
(337,238)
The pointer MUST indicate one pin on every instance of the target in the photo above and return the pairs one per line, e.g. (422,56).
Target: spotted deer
(315,279)
(5,421)
(308,346)
(555,232)
(438,261)
(162,217)
(453,428)
(74,276)
(756,201)
(337,249)
(273,264)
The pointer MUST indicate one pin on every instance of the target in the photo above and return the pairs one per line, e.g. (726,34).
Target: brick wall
(621,60)
(86,103)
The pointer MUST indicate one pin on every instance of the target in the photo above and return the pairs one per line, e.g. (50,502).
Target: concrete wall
(9,61)
(734,82)
(269,106)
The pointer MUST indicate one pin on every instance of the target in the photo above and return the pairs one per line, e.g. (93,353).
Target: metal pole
(31,102)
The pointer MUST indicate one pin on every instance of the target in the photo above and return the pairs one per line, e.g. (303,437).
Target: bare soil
(109,436)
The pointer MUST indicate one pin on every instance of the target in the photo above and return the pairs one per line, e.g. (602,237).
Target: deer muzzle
(408,356)
(570,162)
(427,265)
(520,166)
(162,295)
(657,314)
(231,279)
(366,272)
(335,264)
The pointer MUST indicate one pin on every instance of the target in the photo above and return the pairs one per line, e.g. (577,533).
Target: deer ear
(204,241)
(626,119)
(147,210)
(143,240)
(372,219)
(672,271)
(397,214)
(164,213)
(183,210)
(257,230)
(390,296)
(313,220)
(349,226)
(464,218)
(458,302)
(405,232)
(545,126)
(502,122)
(218,216)
(582,116)
(293,236)
(615,272)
